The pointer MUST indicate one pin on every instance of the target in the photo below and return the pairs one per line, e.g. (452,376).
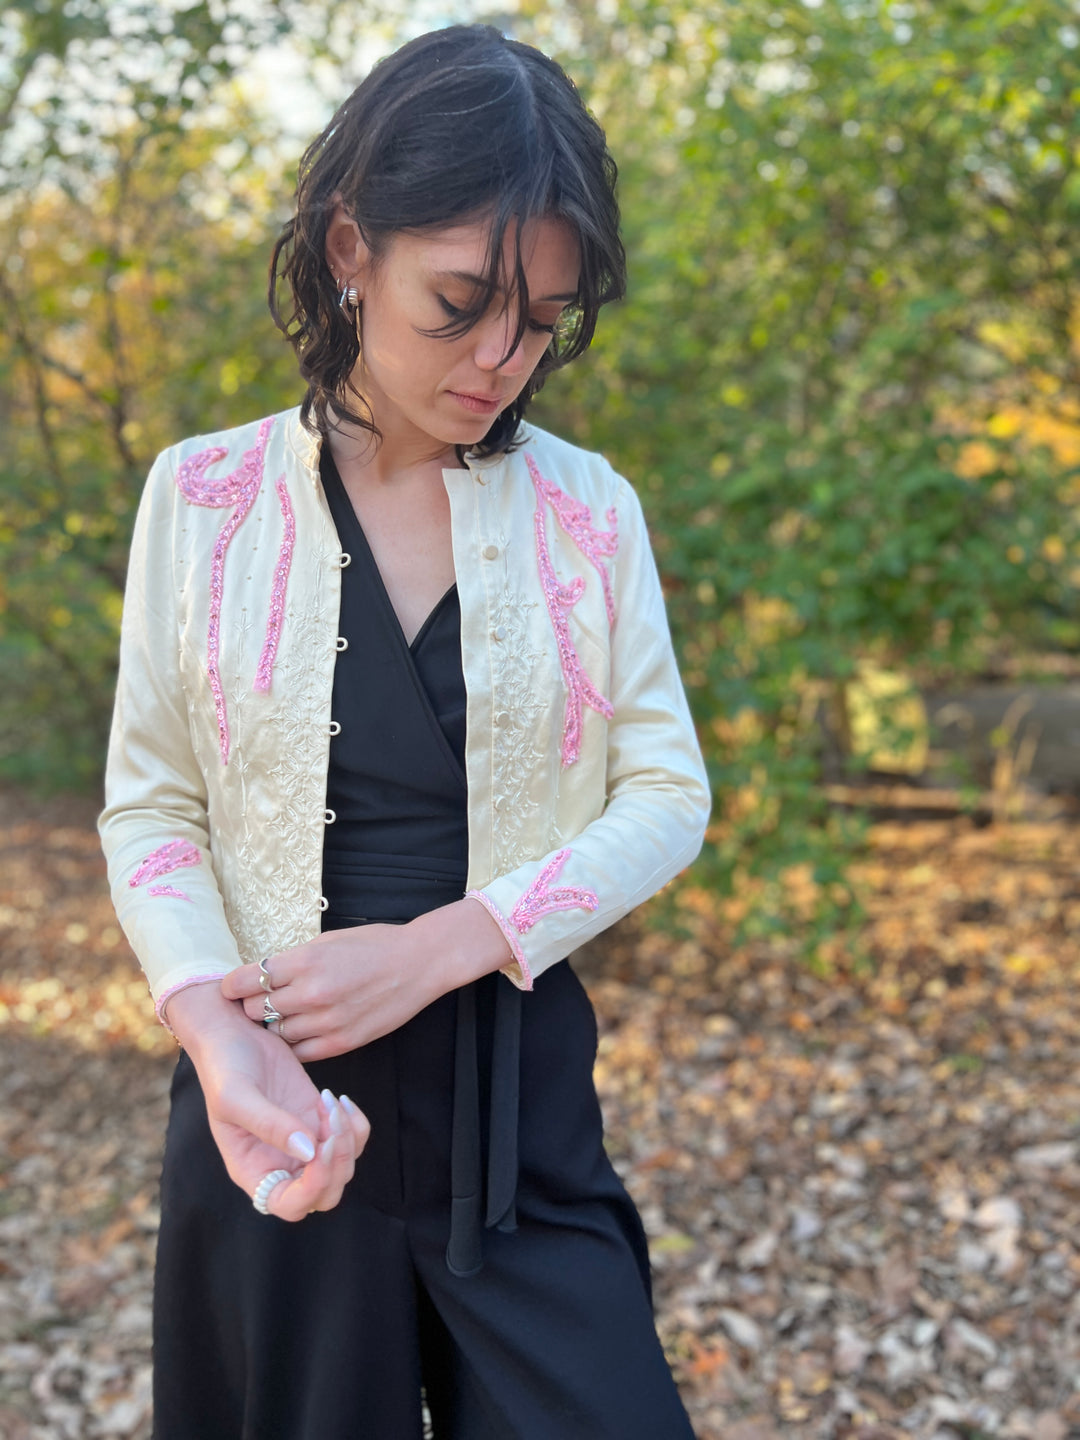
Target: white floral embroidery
(517,755)
(267,913)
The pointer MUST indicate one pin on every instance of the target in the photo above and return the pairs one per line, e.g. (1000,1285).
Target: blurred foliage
(847,377)
(846,380)
(134,215)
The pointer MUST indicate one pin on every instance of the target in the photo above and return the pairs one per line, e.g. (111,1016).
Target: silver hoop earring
(348,299)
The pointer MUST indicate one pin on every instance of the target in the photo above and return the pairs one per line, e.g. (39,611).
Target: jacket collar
(306,446)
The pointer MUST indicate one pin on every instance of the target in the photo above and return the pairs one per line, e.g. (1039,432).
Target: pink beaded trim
(511,939)
(277,594)
(576,520)
(169,890)
(173,855)
(575,517)
(159,1008)
(239,488)
(540,899)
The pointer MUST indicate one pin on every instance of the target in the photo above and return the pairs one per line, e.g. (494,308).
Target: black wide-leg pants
(327,1329)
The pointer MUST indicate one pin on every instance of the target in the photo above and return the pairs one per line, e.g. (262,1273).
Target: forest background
(846,380)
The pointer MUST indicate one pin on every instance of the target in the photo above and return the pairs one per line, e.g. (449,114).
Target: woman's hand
(264,1111)
(347,987)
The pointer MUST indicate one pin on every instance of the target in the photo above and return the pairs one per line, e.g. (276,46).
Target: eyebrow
(480,282)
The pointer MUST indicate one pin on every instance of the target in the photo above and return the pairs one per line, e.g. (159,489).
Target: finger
(241,983)
(361,1126)
(249,1109)
(342,1161)
(322,1183)
(320,1047)
(323,1039)
(246,980)
(254,1009)
(305,1025)
(338,1152)
(306,1191)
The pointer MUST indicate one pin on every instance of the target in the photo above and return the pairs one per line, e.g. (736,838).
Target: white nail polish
(328,1100)
(328,1150)
(352,1108)
(337,1121)
(300,1146)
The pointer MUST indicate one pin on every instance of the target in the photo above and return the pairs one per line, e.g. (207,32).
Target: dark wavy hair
(458,124)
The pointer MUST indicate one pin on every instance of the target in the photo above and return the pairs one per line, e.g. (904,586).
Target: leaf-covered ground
(862,1189)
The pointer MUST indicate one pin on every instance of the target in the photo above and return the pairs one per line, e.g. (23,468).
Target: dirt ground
(862,1188)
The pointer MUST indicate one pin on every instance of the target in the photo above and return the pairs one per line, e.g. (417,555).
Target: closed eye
(454,312)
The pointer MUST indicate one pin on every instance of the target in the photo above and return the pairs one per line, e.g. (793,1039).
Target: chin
(468,434)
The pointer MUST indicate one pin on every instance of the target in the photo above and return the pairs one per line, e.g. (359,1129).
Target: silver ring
(269,1013)
(270,1181)
(264,977)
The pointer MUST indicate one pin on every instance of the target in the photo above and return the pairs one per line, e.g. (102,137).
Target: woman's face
(429,392)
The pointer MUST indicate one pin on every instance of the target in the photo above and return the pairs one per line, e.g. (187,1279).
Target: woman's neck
(387,459)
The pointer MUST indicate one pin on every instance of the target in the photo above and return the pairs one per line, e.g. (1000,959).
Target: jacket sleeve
(658,798)
(154,828)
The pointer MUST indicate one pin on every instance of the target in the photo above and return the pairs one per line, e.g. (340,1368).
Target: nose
(494,337)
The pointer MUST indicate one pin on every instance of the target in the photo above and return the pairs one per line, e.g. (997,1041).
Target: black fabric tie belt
(464,1253)
(473,1207)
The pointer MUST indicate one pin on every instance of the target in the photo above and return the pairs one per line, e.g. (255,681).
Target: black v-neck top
(397,844)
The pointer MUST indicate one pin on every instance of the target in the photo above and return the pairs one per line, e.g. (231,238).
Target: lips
(479,404)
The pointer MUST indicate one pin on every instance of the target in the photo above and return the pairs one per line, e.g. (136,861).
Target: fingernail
(352,1109)
(328,1150)
(328,1100)
(337,1121)
(300,1146)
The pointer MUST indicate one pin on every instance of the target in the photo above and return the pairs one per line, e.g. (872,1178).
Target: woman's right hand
(264,1110)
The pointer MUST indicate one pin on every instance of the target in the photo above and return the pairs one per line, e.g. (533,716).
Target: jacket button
(502,719)
(335,727)
(329,816)
(344,559)
(324,903)
(490,552)
(341,643)
(499,633)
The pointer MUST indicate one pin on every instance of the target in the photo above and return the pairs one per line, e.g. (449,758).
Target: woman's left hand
(347,987)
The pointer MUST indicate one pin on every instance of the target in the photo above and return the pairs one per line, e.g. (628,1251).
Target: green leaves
(112,261)
(845,379)
(854,256)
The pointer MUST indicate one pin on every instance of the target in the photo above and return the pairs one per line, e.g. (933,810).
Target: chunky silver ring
(269,1013)
(270,1181)
(264,977)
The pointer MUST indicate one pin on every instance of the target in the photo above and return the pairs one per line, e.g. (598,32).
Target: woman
(399,726)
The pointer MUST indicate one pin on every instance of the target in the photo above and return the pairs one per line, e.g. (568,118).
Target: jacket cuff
(518,971)
(185,984)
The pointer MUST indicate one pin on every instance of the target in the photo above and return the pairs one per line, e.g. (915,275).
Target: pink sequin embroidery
(575,518)
(169,890)
(239,489)
(265,671)
(173,855)
(540,899)
(511,939)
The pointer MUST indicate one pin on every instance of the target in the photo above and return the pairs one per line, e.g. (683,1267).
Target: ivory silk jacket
(586,786)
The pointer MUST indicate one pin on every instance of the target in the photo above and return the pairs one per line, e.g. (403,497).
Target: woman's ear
(346,254)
